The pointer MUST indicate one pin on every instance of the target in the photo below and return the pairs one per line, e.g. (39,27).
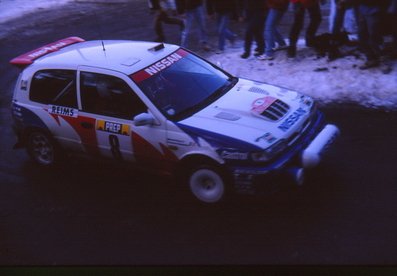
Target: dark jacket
(255,6)
(307,3)
(375,3)
(277,4)
(182,6)
(222,6)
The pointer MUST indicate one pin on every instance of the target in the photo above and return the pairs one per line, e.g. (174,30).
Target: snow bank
(338,81)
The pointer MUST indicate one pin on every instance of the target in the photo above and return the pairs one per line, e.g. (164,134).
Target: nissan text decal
(47,49)
(158,66)
(292,119)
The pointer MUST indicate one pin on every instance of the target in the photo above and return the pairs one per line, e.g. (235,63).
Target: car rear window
(56,87)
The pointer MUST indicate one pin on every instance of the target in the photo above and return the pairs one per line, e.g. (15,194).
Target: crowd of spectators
(371,20)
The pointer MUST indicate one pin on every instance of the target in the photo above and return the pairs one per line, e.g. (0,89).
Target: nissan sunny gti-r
(163,108)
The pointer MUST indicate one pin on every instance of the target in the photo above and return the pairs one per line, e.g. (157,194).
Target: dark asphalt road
(97,214)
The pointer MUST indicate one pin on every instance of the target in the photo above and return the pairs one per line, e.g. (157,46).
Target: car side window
(109,95)
(57,87)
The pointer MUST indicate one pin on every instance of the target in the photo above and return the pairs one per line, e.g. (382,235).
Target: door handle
(86,125)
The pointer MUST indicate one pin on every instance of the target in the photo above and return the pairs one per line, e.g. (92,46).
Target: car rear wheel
(42,148)
(207,183)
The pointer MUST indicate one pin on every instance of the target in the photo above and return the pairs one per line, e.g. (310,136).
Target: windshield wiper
(231,82)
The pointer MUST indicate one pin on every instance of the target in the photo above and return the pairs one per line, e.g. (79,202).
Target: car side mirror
(143,119)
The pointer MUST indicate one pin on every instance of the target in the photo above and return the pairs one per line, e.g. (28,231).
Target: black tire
(207,183)
(42,148)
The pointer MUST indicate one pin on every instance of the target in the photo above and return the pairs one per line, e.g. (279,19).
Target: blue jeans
(339,17)
(196,14)
(272,35)
(223,30)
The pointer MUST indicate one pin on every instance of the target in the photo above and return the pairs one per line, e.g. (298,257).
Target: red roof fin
(29,57)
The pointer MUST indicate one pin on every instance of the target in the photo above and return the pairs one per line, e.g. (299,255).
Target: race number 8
(115,147)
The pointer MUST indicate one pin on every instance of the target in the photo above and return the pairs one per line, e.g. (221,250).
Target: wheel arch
(30,129)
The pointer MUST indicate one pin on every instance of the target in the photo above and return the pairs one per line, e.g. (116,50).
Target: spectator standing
(392,11)
(338,16)
(163,8)
(299,9)
(224,9)
(194,11)
(370,38)
(277,9)
(255,15)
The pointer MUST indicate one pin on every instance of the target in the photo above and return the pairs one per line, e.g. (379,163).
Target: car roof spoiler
(29,57)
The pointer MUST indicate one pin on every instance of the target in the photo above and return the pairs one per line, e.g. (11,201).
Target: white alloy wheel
(41,148)
(207,185)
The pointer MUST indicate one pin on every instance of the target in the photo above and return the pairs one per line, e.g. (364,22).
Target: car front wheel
(207,183)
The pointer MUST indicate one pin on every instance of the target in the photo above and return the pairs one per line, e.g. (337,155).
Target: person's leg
(259,29)
(173,21)
(200,19)
(299,16)
(222,31)
(374,36)
(270,32)
(248,38)
(365,44)
(332,14)
(188,28)
(158,26)
(315,20)
(277,35)
(338,20)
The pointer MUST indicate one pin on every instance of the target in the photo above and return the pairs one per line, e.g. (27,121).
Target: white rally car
(164,108)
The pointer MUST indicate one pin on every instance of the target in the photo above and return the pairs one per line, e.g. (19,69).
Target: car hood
(256,114)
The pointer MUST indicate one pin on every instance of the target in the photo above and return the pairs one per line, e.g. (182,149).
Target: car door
(53,93)
(108,106)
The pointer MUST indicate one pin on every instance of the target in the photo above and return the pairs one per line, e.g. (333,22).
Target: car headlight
(269,153)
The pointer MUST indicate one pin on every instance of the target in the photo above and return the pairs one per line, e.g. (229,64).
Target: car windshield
(182,84)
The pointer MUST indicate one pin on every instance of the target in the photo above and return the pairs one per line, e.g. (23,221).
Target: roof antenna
(100,32)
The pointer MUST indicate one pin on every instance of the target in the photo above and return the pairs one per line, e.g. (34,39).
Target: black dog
(328,44)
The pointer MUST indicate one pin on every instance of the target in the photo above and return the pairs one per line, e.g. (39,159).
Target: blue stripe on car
(24,118)
(217,140)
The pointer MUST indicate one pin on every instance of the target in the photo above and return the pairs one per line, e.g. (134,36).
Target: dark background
(94,213)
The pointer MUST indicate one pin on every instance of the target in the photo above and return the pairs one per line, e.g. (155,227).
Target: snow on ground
(10,9)
(338,81)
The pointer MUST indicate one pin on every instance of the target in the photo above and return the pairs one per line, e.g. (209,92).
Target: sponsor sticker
(159,66)
(261,104)
(234,155)
(63,111)
(113,127)
(268,137)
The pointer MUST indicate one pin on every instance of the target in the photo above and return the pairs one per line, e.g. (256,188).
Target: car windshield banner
(158,66)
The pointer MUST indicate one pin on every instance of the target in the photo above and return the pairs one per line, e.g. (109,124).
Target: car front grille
(276,110)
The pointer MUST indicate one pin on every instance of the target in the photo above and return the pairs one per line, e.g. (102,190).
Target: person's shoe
(280,47)
(233,40)
(206,47)
(257,54)
(219,51)
(245,55)
(265,57)
(291,51)
(310,42)
(370,64)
